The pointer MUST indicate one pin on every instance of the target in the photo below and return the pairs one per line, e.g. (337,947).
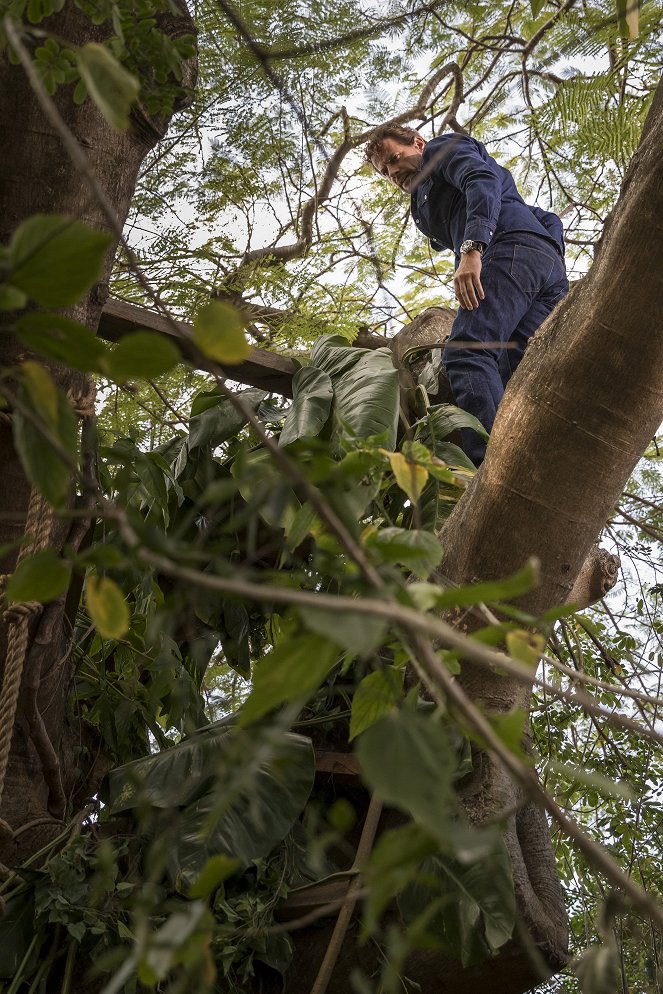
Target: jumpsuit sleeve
(479,179)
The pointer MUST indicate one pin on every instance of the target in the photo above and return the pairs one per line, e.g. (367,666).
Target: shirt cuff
(479,231)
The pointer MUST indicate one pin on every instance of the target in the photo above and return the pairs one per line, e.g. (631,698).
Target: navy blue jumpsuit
(462,194)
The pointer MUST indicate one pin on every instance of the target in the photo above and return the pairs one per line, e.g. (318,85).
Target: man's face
(399,163)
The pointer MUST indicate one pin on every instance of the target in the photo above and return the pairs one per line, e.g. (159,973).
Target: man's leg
(523,277)
(474,370)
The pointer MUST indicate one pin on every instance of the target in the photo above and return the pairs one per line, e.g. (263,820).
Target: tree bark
(36,176)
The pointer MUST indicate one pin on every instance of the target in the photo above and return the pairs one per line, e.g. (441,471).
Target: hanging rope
(38,525)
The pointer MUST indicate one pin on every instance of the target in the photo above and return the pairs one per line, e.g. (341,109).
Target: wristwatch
(469,246)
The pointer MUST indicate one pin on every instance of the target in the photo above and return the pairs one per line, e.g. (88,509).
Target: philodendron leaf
(290,672)
(366,389)
(41,577)
(107,607)
(312,400)
(55,259)
(111,86)
(232,796)
(218,331)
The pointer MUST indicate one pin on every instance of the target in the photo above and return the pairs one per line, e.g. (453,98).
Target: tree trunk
(574,421)
(36,176)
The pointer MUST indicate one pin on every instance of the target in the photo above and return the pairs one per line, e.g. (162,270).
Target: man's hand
(467,280)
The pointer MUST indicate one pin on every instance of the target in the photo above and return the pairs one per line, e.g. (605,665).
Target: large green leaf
(214,419)
(465,896)
(55,259)
(366,388)
(312,401)
(410,762)
(266,783)
(481,903)
(360,634)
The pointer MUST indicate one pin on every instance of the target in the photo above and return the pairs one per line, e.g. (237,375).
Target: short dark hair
(399,133)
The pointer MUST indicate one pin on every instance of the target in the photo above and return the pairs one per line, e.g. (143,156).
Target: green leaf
(312,400)
(360,634)
(41,577)
(292,671)
(63,339)
(598,970)
(216,869)
(47,470)
(418,551)
(427,596)
(17,935)
(377,695)
(55,259)
(480,902)
(409,761)
(366,388)
(510,728)
(226,792)
(393,864)
(536,6)
(111,86)
(214,419)
(11,298)
(218,331)
(443,419)
(107,607)
(141,355)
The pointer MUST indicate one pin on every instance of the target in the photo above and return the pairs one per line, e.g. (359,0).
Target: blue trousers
(523,277)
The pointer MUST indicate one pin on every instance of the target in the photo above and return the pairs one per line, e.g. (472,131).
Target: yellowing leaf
(107,607)
(526,647)
(218,331)
(42,390)
(410,476)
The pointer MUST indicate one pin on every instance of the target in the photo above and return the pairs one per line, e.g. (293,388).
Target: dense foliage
(208,649)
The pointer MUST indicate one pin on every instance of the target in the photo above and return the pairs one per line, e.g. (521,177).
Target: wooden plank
(265,370)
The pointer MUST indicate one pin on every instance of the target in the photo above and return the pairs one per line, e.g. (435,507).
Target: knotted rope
(38,525)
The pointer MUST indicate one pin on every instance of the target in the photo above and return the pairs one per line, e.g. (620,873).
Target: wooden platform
(263,369)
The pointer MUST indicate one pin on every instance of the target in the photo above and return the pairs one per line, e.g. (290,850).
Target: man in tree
(509,258)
